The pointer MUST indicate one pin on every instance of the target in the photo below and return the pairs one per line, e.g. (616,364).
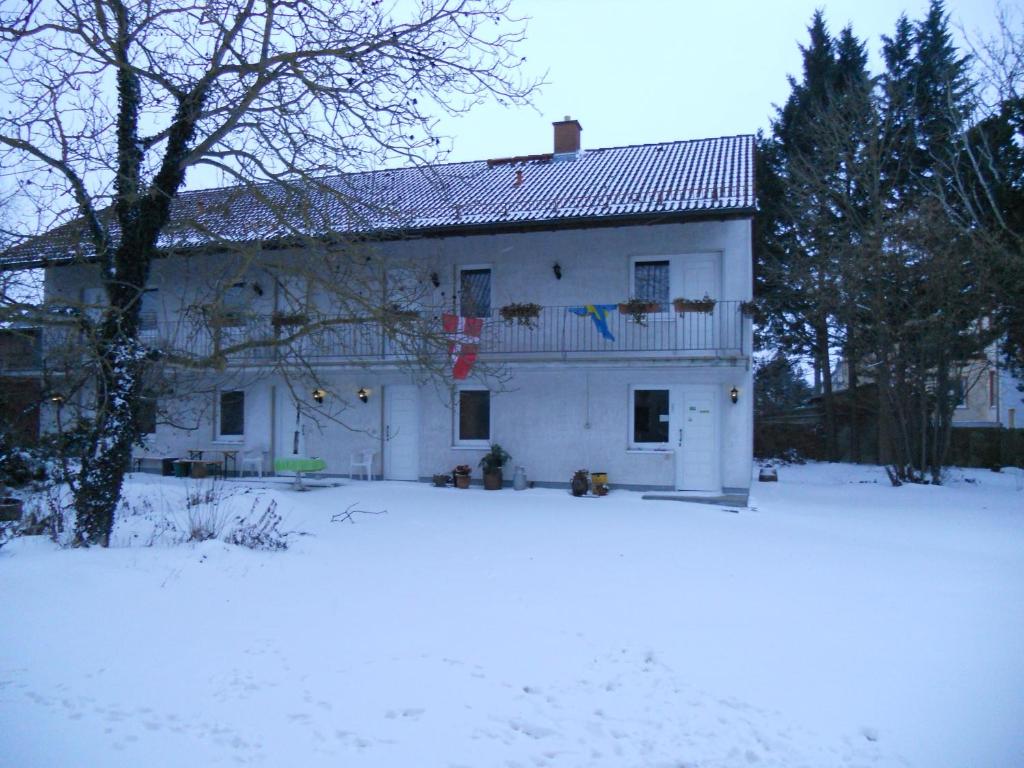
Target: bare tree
(110,104)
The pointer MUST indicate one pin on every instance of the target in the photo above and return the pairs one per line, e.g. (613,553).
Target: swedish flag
(599,314)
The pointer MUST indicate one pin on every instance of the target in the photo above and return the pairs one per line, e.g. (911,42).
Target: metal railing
(557,332)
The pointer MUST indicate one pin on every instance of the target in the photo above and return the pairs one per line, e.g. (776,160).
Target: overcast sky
(659,70)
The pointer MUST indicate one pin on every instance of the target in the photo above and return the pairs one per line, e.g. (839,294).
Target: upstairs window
(651,282)
(475,292)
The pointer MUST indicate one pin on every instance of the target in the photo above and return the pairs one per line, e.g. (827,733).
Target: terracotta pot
(492,481)
(462,481)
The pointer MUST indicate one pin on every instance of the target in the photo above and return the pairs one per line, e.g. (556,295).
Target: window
(147,414)
(651,282)
(232,415)
(234,303)
(475,292)
(149,311)
(960,389)
(472,417)
(649,427)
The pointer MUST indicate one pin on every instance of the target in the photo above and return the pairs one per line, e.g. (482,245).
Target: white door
(401,432)
(696,276)
(694,436)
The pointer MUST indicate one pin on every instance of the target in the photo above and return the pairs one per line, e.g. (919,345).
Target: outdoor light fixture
(435,280)
(363,394)
(734,395)
(557,269)
(57,399)
(318,396)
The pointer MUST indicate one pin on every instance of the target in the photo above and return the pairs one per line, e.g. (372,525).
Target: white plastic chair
(363,461)
(253,460)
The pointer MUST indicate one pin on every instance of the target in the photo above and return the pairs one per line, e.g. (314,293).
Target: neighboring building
(990,395)
(665,404)
(20,385)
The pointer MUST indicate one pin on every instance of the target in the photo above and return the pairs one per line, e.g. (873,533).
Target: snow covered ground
(838,622)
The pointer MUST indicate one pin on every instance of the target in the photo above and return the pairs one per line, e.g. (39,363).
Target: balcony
(556,333)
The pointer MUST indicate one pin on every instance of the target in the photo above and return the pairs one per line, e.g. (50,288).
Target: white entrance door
(694,436)
(401,432)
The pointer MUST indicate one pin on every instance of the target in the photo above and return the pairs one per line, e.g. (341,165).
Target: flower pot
(707,306)
(441,481)
(11,508)
(580,483)
(492,480)
(462,481)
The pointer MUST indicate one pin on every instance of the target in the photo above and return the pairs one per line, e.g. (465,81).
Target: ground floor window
(232,415)
(147,414)
(649,414)
(472,417)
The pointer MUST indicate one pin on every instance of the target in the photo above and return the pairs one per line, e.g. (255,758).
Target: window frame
(459,269)
(633,262)
(962,393)
(632,444)
(457,440)
(149,400)
(219,420)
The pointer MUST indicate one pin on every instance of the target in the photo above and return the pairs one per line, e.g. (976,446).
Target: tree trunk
(104,465)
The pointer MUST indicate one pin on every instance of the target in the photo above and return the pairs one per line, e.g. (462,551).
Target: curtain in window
(475,292)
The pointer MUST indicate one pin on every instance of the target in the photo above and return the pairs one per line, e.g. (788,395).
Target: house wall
(595,265)
(553,417)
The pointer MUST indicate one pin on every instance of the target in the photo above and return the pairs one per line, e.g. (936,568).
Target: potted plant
(706,305)
(461,474)
(749,308)
(524,314)
(580,482)
(491,463)
(441,481)
(288,319)
(638,309)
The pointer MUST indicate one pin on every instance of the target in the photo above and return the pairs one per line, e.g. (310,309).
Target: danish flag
(465,341)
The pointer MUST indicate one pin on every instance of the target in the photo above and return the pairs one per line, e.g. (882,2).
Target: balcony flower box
(705,305)
(288,319)
(638,309)
(523,314)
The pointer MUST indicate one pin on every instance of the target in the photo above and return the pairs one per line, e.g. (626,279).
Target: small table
(228,454)
(298,465)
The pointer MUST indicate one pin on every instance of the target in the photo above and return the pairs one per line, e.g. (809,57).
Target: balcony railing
(557,332)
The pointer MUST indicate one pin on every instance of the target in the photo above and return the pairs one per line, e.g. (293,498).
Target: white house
(661,404)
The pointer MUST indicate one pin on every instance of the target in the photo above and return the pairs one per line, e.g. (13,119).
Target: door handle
(680,437)
(387,432)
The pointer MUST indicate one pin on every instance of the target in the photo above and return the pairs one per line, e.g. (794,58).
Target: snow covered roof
(647,181)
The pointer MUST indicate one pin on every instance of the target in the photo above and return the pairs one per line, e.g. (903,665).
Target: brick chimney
(567,136)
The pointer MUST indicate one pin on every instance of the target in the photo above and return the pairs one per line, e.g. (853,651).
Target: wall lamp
(57,399)
(318,396)
(363,394)
(734,395)
(557,269)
